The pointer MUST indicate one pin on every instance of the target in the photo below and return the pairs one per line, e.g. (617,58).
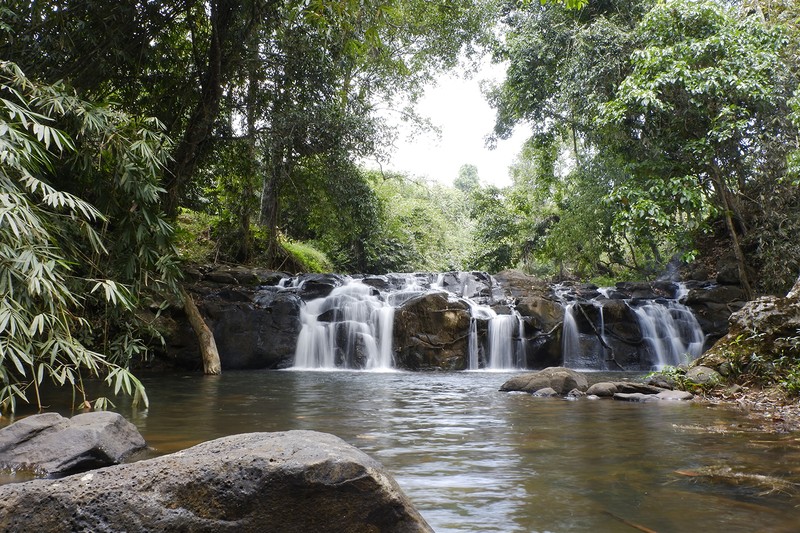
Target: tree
(563,64)
(60,265)
(467,180)
(703,107)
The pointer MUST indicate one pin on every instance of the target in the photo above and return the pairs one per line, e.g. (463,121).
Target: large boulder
(562,380)
(254,327)
(296,481)
(766,326)
(53,445)
(431,332)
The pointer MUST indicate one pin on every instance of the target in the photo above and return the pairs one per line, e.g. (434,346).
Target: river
(473,459)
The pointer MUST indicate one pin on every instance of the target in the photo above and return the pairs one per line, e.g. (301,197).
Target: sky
(458,108)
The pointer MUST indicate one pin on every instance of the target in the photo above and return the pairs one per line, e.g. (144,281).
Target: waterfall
(670,331)
(501,342)
(352,327)
(349,328)
(570,338)
(472,347)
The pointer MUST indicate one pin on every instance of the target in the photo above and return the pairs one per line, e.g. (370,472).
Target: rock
(313,286)
(575,393)
(560,379)
(295,481)
(603,389)
(431,332)
(254,326)
(258,333)
(520,285)
(702,375)
(661,381)
(51,444)
(765,326)
(666,395)
(546,392)
(630,387)
(635,397)
(674,395)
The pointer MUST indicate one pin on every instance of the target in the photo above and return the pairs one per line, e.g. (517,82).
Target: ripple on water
(475,459)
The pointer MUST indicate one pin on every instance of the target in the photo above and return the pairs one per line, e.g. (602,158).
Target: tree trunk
(269,215)
(198,130)
(208,347)
(724,198)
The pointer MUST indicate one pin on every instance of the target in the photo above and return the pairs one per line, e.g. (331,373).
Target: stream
(473,459)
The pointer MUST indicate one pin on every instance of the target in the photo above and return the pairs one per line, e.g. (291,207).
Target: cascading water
(570,337)
(668,331)
(352,327)
(349,328)
(501,342)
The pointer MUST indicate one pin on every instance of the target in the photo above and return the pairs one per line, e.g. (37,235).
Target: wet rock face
(254,327)
(256,318)
(53,445)
(431,332)
(290,482)
(259,331)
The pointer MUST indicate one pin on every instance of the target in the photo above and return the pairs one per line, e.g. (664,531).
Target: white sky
(458,108)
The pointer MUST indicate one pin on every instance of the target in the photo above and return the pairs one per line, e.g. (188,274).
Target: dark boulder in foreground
(53,445)
(560,379)
(295,481)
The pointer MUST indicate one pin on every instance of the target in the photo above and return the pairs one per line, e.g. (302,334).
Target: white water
(356,331)
(501,342)
(669,329)
(570,337)
(352,327)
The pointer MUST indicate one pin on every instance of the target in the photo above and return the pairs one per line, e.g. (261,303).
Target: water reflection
(474,459)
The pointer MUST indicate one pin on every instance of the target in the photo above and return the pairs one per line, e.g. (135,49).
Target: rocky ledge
(564,382)
(295,481)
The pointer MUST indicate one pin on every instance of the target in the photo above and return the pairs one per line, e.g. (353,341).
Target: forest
(137,137)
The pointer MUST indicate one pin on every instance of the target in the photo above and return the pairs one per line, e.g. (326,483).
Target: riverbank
(770,408)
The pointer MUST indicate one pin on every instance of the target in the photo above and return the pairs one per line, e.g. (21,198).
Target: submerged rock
(295,481)
(51,444)
(635,397)
(560,379)
(667,395)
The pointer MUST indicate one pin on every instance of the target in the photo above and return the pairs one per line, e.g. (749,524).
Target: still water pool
(473,459)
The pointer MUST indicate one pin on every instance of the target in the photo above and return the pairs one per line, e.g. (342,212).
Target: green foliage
(422,226)
(673,112)
(59,280)
(467,180)
(308,257)
(193,236)
(496,232)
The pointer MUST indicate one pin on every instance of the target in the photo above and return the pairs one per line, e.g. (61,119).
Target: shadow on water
(475,459)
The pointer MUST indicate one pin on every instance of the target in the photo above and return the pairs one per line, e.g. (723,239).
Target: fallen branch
(208,347)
